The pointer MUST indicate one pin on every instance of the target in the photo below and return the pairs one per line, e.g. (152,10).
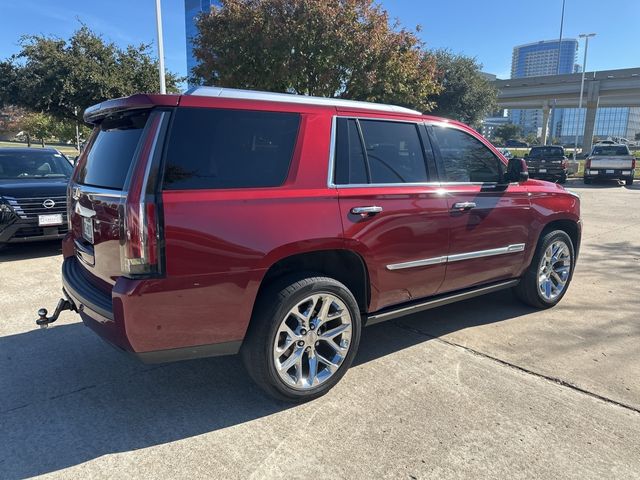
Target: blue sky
(485,29)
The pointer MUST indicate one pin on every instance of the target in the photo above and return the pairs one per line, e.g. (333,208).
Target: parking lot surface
(487,388)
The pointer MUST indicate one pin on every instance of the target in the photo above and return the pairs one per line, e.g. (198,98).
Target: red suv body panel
(220,244)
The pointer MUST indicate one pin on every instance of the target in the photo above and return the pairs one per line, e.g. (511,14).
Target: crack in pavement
(556,380)
(82,389)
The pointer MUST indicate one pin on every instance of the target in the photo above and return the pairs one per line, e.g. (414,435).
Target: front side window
(217,148)
(378,152)
(465,158)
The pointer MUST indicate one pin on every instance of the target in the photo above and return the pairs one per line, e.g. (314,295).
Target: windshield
(611,150)
(33,164)
(546,152)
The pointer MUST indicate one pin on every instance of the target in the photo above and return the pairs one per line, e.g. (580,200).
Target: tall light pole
(586,37)
(163,88)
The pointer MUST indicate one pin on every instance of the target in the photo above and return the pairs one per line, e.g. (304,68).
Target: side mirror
(517,170)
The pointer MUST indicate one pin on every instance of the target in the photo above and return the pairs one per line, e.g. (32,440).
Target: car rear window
(112,151)
(219,148)
(546,152)
(612,150)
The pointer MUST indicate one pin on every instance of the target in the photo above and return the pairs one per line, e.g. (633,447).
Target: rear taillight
(633,164)
(139,253)
(587,164)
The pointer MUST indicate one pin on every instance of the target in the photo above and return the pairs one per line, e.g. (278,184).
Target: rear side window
(465,158)
(394,152)
(112,151)
(217,148)
(378,152)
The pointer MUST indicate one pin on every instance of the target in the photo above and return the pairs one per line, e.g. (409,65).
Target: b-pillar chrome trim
(516,247)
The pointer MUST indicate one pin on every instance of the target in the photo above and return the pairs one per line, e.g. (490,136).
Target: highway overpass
(607,88)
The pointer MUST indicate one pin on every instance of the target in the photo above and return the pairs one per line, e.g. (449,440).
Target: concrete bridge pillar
(545,122)
(593,98)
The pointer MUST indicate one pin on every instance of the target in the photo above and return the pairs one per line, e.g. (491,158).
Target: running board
(438,302)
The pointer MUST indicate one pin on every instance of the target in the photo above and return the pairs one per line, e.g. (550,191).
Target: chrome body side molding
(516,247)
(438,301)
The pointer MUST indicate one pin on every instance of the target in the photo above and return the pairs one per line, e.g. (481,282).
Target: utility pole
(75,112)
(163,88)
(586,37)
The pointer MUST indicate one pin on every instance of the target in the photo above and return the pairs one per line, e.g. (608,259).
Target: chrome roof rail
(292,98)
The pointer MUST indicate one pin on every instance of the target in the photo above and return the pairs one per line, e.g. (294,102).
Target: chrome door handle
(464,205)
(366,211)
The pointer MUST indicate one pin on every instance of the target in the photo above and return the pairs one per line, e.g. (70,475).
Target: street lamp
(163,88)
(586,37)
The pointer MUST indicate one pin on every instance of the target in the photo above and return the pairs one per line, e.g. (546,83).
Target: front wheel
(303,337)
(546,280)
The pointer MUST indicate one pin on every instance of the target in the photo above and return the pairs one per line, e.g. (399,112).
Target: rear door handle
(464,205)
(366,211)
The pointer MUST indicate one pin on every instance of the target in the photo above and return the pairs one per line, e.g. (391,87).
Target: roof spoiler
(96,113)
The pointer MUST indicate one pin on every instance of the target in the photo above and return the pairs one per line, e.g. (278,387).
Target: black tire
(563,179)
(628,182)
(527,290)
(587,181)
(270,310)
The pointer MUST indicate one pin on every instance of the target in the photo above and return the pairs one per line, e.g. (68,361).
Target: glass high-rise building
(547,57)
(193,8)
(541,58)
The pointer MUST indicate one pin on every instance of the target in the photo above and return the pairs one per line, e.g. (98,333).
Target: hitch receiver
(63,304)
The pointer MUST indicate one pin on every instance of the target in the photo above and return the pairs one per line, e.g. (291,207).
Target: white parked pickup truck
(612,161)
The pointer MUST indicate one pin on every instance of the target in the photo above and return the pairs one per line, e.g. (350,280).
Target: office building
(193,8)
(547,57)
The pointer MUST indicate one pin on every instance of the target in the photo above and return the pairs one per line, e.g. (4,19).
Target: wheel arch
(569,226)
(343,265)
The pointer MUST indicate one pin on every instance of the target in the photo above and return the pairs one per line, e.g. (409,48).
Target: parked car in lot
(277,226)
(548,163)
(33,194)
(610,161)
(516,144)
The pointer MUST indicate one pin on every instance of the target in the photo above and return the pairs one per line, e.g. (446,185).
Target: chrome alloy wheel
(312,341)
(554,270)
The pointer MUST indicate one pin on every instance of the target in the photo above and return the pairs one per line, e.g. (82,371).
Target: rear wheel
(628,181)
(546,280)
(303,336)
(563,178)
(587,181)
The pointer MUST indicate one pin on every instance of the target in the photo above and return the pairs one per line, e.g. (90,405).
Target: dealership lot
(484,388)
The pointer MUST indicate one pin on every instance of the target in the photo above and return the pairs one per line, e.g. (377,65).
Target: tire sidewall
(324,285)
(547,240)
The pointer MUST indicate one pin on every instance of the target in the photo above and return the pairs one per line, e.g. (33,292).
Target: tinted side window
(112,151)
(394,152)
(350,160)
(465,158)
(215,148)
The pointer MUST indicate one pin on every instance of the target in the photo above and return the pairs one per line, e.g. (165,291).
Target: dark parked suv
(277,226)
(33,194)
(548,163)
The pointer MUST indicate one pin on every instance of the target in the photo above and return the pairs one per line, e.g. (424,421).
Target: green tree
(346,48)
(467,95)
(531,139)
(507,131)
(38,125)
(61,77)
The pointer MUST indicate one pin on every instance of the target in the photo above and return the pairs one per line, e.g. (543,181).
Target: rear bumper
(111,316)
(617,173)
(534,172)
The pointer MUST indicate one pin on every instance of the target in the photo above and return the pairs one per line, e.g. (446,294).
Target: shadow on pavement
(96,401)
(23,251)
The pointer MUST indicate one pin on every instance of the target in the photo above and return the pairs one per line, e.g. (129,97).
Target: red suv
(277,226)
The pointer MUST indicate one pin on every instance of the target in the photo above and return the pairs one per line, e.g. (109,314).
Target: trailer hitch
(63,304)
